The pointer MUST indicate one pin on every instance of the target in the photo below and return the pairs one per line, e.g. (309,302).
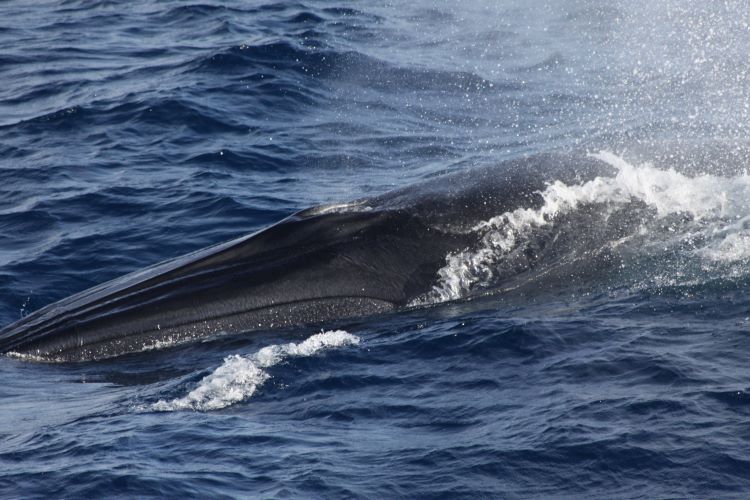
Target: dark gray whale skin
(325,263)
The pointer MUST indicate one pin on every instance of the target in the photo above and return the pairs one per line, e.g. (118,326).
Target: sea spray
(718,209)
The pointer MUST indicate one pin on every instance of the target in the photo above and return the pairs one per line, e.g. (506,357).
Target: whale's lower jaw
(65,348)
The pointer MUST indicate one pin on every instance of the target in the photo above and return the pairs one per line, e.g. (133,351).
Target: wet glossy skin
(325,263)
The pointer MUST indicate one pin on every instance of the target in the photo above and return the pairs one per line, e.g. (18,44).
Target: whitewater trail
(239,377)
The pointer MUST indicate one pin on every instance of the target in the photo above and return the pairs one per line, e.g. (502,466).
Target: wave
(652,228)
(239,377)
(280,57)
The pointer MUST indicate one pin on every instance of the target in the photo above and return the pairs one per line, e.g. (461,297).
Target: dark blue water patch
(305,18)
(196,13)
(275,56)
(227,159)
(736,400)
(638,370)
(12,152)
(57,120)
(23,94)
(158,113)
(167,113)
(685,301)
(12,225)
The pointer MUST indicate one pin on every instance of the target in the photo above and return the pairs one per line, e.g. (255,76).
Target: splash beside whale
(325,263)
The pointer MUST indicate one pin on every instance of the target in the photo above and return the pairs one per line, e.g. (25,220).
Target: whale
(332,262)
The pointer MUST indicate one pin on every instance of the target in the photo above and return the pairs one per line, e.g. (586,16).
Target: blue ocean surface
(135,132)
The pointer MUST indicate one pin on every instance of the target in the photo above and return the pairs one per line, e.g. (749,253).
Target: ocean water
(133,132)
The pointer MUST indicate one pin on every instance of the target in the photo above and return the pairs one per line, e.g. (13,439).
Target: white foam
(710,201)
(730,243)
(27,357)
(239,377)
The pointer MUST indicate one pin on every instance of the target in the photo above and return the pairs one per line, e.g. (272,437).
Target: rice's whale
(325,263)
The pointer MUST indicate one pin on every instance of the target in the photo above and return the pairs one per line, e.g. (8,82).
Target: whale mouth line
(158,336)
